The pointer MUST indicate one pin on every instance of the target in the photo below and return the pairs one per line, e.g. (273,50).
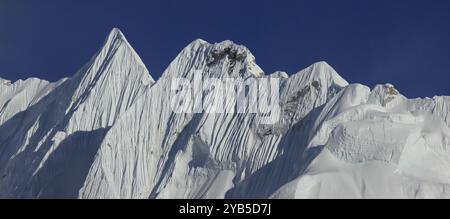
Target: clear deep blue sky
(404,42)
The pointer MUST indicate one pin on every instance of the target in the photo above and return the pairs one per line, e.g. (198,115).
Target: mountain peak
(322,71)
(116,31)
(116,34)
(117,39)
(235,53)
(386,95)
(116,49)
(323,64)
(198,41)
(226,57)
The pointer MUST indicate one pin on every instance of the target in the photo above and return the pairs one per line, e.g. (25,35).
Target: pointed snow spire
(111,81)
(115,66)
(116,32)
(116,39)
(117,51)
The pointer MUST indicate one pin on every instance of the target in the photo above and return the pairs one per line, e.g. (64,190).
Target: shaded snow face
(112,131)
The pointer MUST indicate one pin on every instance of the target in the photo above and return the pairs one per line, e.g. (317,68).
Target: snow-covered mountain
(110,132)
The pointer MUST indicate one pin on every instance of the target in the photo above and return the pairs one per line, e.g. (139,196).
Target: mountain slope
(47,148)
(110,132)
(375,150)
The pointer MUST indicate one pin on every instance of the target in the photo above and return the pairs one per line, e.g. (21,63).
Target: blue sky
(404,42)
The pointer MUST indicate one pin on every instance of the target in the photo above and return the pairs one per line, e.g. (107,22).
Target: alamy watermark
(258,96)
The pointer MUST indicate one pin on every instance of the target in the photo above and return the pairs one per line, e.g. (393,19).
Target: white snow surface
(109,132)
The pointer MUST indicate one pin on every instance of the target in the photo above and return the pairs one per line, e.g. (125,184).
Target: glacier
(109,132)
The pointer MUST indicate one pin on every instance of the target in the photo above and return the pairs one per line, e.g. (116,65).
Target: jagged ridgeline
(109,132)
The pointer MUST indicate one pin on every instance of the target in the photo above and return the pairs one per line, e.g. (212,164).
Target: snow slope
(47,147)
(110,132)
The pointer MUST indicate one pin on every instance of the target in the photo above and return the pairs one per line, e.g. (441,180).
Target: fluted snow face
(110,132)
(54,130)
